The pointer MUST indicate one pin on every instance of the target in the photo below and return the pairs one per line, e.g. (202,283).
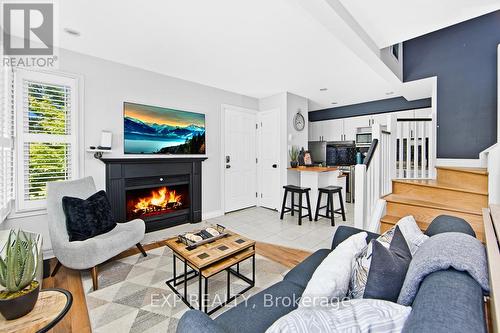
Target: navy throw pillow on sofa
(88,218)
(388,268)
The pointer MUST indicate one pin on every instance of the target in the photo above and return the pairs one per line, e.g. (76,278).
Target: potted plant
(18,270)
(294,155)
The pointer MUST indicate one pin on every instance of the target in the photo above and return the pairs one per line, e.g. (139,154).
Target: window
(6,142)
(395,51)
(46,141)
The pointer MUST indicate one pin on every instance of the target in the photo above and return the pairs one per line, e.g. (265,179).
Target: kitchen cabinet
(333,130)
(316,130)
(352,124)
(423,113)
(381,119)
(409,114)
(347,128)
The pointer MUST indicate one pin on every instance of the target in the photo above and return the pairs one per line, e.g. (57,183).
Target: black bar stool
(330,211)
(300,190)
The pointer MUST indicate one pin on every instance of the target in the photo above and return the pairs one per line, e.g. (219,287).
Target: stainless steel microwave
(363,139)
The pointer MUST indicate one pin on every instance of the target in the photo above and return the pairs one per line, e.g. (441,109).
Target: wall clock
(299,122)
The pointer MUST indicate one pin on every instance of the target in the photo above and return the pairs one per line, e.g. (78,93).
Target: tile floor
(264,225)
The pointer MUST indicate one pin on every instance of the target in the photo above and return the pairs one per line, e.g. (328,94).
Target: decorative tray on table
(194,239)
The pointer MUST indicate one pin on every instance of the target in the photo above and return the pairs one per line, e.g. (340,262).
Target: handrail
(370,153)
(413,119)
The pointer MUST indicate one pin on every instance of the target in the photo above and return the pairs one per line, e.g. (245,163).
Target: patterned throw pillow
(361,264)
(355,315)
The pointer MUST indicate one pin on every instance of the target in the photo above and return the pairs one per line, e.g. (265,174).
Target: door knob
(228,166)
(275,166)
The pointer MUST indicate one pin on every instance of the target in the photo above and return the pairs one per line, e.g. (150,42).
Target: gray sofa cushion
(447,301)
(447,223)
(302,273)
(260,311)
(343,232)
(197,321)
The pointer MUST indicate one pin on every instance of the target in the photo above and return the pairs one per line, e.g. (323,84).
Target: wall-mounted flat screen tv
(157,130)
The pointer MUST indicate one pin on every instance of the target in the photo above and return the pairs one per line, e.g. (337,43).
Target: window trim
(22,206)
(7,203)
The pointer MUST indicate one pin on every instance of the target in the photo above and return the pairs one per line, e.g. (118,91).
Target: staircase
(461,192)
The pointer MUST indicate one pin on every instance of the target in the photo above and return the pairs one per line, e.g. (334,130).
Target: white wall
(288,104)
(294,137)
(107,85)
(394,65)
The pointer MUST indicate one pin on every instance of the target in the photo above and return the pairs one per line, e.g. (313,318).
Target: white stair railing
(414,140)
(374,179)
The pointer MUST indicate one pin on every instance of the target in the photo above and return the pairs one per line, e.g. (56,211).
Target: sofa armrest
(195,321)
(447,301)
(343,232)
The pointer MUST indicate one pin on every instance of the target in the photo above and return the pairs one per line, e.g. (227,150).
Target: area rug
(133,296)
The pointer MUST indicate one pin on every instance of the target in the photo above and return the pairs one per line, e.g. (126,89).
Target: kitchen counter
(314,169)
(316,177)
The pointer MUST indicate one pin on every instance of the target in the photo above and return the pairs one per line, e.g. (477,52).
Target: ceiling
(256,48)
(390,22)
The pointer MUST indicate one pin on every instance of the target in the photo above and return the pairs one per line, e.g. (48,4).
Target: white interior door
(269,158)
(240,181)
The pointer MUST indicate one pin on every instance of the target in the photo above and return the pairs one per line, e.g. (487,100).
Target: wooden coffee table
(208,260)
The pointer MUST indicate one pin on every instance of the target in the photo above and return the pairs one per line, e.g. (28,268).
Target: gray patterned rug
(133,296)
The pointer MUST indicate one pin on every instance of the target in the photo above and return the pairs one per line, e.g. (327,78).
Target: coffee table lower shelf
(226,264)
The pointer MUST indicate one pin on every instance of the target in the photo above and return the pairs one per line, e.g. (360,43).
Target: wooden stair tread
(391,219)
(438,184)
(422,203)
(479,171)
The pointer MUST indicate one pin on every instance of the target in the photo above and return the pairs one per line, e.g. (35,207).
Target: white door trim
(225,107)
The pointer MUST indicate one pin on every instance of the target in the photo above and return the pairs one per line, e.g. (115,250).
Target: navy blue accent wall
(362,109)
(464,58)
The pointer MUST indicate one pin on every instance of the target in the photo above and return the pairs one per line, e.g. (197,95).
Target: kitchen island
(316,177)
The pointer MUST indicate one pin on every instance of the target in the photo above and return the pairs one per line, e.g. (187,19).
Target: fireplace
(156,202)
(164,192)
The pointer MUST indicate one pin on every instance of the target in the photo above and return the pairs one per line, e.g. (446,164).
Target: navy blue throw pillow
(388,268)
(88,218)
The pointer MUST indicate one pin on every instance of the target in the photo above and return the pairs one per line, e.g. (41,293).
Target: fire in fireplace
(152,202)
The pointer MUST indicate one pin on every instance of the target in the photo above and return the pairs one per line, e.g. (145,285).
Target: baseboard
(459,162)
(47,254)
(211,215)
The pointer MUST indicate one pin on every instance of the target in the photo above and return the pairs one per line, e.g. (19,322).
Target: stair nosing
(464,170)
(428,204)
(444,187)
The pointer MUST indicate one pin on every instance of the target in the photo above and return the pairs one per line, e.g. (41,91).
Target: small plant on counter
(294,155)
(18,270)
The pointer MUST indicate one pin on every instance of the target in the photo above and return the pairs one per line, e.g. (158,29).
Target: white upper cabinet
(347,128)
(423,113)
(381,119)
(352,124)
(409,114)
(333,130)
(315,130)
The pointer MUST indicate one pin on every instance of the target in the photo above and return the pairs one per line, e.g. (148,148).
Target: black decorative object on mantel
(164,192)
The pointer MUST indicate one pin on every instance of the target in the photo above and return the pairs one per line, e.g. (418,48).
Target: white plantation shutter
(6,142)
(46,134)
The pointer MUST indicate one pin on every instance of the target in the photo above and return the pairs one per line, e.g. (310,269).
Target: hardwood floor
(77,319)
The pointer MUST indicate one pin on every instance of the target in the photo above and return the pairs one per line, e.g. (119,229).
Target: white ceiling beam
(335,18)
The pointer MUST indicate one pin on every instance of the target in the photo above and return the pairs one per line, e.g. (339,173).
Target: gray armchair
(89,253)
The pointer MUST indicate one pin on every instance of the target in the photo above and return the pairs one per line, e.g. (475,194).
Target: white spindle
(400,147)
(415,150)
